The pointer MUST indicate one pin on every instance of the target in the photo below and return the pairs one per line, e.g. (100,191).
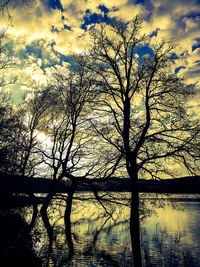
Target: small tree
(71,151)
(141,106)
(65,126)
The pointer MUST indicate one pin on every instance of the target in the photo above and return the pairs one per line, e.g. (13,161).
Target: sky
(45,36)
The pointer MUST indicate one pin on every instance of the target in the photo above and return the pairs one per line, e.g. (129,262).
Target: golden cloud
(44,23)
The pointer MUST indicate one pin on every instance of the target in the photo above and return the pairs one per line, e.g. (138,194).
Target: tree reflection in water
(16,244)
(74,237)
(89,235)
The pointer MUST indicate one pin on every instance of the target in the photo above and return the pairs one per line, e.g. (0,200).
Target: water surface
(170,232)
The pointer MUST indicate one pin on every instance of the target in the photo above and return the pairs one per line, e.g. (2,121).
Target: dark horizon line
(18,184)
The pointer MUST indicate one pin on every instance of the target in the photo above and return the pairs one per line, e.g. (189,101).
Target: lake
(170,231)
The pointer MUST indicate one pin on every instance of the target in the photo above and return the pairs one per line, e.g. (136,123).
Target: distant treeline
(18,184)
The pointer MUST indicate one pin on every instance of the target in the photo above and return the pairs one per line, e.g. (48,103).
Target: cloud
(49,33)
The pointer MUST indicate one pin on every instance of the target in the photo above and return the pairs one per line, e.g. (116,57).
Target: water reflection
(99,235)
(171,237)
(16,244)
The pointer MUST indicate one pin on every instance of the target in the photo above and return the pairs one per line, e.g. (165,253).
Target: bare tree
(32,112)
(66,129)
(8,120)
(71,152)
(142,107)
(8,125)
(18,138)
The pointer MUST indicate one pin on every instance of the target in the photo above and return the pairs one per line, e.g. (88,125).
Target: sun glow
(41,136)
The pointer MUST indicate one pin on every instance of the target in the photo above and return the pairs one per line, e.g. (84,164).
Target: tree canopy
(143,99)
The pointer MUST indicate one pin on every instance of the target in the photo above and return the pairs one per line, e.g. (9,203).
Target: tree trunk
(46,202)
(45,218)
(35,209)
(49,197)
(67,219)
(135,223)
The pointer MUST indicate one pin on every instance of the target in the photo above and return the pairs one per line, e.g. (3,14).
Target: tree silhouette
(142,103)
(8,119)
(71,151)
(16,136)
(8,125)
(68,97)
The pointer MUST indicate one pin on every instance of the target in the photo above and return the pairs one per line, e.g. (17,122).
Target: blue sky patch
(197,45)
(67,27)
(144,50)
(90,18)
(54,29)
(56,4)
(178,69)
(93,18)
(173,56)
(154,33)
(139,2)
(104,9)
